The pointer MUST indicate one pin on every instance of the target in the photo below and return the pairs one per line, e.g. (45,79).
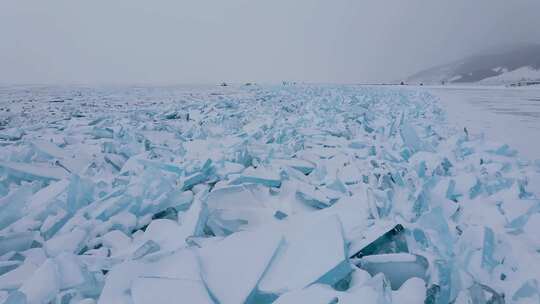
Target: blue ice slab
(18,241)
(43,285)
(98,132)
(301,165)
(114,205)
(11,206)
(421,170)
(231,256)
(314,198)
(336,274)
(386,241)
(178,199)
(199,177)
(451,191)
(246,179)
(55,222)
(269,177)
(410,138)
(435,223)
(421,204)
(147,248)
(475,190)
(11,134)
(313,252)
(483,294)
(488,250)
(446,165)
(116,161)
(337,185)
(397,178)
(16,297)
(529,290)
(31,172)
(441,291)
(7,266)
(523,193)
(49,149)
(170,167)
(421,238)
(239,207)
(357,145)
(79,193)
(75,276)
(504,150)
(72,242)
(516,225)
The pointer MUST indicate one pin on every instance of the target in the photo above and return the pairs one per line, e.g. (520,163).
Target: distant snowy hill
(510,66)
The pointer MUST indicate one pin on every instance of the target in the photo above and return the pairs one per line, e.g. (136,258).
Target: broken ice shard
(314,197)
(231,256)
(483,294)
(260,175)
(72,242)
(391,241)
(11,134)
(410,138)
(528,291)
(16,297)
(504,150)
(11,206)
(43,285)
(17,242)
(301,165)
(488,249)
(30,172)
(239,207)
(147,248)
(200,176)
(313,251)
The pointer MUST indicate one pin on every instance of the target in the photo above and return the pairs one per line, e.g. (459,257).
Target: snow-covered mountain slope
(522,74)
(519,64)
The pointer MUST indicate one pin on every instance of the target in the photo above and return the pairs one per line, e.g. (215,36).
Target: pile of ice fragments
(259,194)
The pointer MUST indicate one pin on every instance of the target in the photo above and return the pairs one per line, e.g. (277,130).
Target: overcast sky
(203,41)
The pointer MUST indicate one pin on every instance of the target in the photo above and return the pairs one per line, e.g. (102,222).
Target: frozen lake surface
(510,115)
(268,194)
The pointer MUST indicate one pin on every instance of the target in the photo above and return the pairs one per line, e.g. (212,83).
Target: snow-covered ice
(269,194)
(502,114)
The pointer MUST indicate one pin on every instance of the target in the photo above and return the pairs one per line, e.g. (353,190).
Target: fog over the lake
(168,42)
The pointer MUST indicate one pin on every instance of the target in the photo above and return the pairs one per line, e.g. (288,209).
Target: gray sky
(203,41)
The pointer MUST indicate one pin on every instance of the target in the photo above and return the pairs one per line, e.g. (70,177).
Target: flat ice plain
(269,194)
(509,115)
